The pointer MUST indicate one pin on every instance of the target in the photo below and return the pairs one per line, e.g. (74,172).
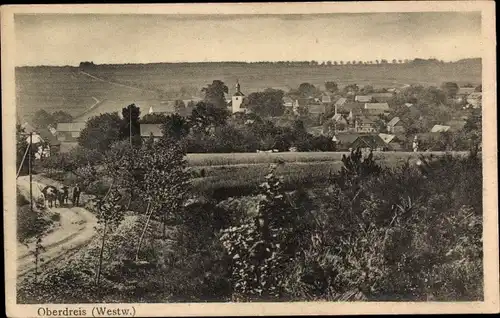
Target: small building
(382,97)
(363,98)
(465,91)
(364,124)
(287,102)
(151,129)
(392,142)
(345,140)
(341,102)
(377,108)
(440,128)
(43,141)
(408,105)
(395,125)
(69,132)
(326,99)
(369,142)
(335,124)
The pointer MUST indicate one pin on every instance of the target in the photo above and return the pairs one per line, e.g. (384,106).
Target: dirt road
(75,231)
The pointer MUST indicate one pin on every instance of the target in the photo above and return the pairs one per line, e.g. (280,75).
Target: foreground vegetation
(370,233)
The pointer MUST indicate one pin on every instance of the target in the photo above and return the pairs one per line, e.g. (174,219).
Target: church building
(237,100)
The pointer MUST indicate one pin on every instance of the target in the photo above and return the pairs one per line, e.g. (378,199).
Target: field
(221,159)
(239,174)
(116,86)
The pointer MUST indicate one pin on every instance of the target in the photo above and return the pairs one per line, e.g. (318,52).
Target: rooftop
(363,98)
(61,127)
(393,121)
(377,106)
(440,128)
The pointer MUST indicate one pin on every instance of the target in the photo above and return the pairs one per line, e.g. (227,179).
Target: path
(115,83)
(75,231)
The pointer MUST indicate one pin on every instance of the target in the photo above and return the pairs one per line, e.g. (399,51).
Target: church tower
(237,99)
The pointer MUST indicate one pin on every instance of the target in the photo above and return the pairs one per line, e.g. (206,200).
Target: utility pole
(29,169)
(130,123)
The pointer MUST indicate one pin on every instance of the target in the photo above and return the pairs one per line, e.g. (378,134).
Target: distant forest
(91,64)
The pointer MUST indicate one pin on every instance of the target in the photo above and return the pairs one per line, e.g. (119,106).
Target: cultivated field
(116,86)
(221,159)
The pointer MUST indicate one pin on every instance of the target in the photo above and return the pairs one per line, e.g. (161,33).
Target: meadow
(66,88)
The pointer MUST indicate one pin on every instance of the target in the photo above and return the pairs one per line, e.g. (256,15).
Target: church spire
(238,86)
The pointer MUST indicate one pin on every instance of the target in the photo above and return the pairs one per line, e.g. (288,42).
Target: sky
(68,39)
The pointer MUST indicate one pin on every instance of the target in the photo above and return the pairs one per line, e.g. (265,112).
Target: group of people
(52,195)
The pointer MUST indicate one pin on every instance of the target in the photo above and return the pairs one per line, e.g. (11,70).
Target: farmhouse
(335,124)
(344,140)
(382,97)
(369,142)
(148,130)
(395,125)
(69,132)
(377,108)
(363,98)
(392,142)
(43,140)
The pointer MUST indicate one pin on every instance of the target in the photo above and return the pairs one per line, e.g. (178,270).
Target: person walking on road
(65,194)
(76,195)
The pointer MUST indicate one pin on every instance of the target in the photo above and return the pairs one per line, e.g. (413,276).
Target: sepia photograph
(221,155)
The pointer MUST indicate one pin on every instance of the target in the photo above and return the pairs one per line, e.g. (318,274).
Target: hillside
(116,86)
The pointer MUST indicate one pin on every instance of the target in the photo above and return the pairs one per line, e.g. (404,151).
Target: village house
(43,140)
(382,97)
(287,102)
(395,125)
(369,143)
(377,108)
(393,142)
(345,140)
(335,124)
(148,130)
(363,98)
(341,102)
(67,134)
(326,99)
(364,124)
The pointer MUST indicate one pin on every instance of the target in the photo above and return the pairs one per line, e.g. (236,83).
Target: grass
(65,88)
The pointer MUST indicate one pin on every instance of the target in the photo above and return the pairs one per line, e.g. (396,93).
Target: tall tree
(101,132)
(205,117)
(61,117)
(332,87)
(42,119)
(175,127)
(154,118)
(131,127)
(267,103)
(307,90)
(450,88)
(215,93)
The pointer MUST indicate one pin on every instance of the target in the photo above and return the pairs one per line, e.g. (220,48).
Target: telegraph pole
(130,123)
(29,169)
